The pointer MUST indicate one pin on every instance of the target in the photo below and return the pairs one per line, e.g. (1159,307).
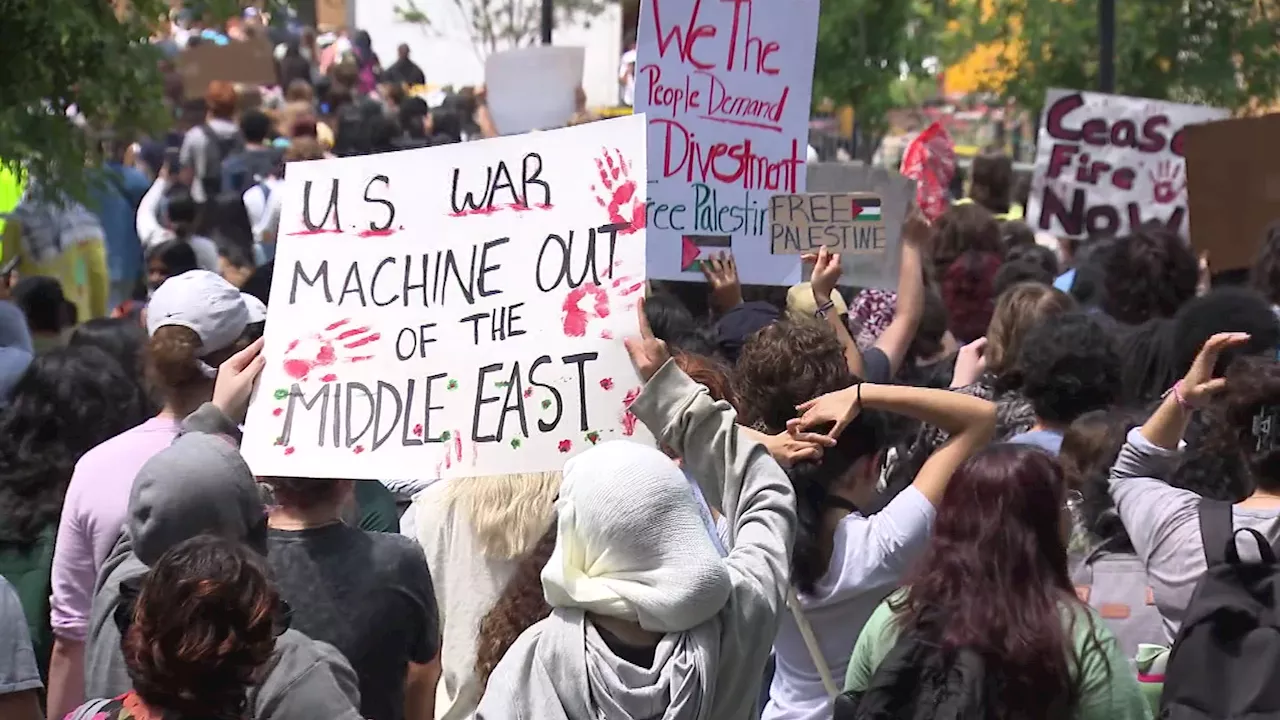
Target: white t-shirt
(262,203)
(629,88)
(868,559)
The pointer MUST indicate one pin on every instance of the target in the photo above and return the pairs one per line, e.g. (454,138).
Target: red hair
(968,289)
(994,580)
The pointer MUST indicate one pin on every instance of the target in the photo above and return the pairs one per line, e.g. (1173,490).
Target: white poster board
(454,311)
(726,87)
(1105,163)
(533,88)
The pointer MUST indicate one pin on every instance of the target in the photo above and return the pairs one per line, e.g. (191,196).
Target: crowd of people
(989,493)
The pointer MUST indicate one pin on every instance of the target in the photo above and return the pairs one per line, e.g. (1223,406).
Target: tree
(56,55)
(1224,53)
(866,50)
(496,25)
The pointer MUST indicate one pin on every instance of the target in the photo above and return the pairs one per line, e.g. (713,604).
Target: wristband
(1176,392)
(824,309)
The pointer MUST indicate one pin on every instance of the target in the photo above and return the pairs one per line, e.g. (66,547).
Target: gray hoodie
(560,668)
(201,485)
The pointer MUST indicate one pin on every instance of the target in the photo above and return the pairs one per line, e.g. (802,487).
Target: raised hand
(648,353)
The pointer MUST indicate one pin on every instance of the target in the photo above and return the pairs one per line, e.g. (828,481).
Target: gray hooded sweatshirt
(201,485)
(561,669)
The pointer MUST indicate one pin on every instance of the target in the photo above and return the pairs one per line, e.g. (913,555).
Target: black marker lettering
(391,209)
(321,276)
(331,209)
(558,402)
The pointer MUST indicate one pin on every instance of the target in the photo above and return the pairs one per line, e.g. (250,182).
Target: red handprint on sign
(323,350)
(617,191)
(577,318)
(1166,182)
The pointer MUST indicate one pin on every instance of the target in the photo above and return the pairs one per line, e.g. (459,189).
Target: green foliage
(868,53)
(502,24)
(1224,53)
(58,53)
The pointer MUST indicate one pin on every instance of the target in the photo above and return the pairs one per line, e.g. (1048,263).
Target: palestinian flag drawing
(695,248)
(865,209)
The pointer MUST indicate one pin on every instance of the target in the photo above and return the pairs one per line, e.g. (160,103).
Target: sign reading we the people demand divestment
(1107,163)
(454,311)
(726,87)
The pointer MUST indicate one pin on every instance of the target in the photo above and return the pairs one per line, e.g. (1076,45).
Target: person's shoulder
(126,442)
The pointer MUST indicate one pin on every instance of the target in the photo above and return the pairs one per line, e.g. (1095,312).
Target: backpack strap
(1215,530)
(811,644)
(88,710)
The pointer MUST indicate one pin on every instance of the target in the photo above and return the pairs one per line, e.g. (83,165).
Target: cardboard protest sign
(454,311)
(1106,163)
(249,62)
(878,268)
(533,88)
(331,13)
(1233,187)
(726,87)
(846,223)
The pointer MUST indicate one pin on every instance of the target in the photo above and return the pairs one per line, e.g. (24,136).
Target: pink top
(94,514)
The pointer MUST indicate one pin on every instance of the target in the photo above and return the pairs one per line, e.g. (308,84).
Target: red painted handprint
(577,318)
(1166,182)
(338,343)
(617,191)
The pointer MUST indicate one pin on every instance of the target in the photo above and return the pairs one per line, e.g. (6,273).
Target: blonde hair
(1018,309)
(507,513)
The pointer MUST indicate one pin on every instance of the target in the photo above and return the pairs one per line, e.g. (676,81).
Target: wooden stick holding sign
(842,222)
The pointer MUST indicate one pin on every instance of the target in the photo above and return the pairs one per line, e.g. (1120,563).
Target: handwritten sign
(726,87)
(533,88)
(454,311)
(1107,163)
(849,223)
(872,269)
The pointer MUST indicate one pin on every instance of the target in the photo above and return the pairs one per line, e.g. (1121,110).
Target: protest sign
(842,222)
(726,87)
(331,13)
(249,62)
(1233,187)
(896,193)
(454,311)
(533,88)
(1107,163)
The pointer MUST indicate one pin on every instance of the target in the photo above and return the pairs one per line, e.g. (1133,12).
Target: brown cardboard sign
(249,63)
(850,223)
(1233,187)
(331,13)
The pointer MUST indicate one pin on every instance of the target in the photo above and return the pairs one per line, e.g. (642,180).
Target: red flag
(930,160)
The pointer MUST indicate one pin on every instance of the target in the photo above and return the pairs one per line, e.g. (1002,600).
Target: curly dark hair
(784,364)
(1149,274)
(68,401)
(1036,254)
(671,320)
(1068,366)
(1253,392)
(991,184)
(961,229)
(1265,274)
(1016,234)
(123,339)
(1017,271)
(521,605)
(1089,449)
(204,623)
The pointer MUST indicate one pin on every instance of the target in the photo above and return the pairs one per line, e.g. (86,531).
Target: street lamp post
(1107,45)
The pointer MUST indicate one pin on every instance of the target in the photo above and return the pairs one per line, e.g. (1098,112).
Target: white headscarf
(631,542)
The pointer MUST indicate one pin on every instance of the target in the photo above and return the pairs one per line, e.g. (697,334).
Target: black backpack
(916,681)
(1226,660)
(216,150)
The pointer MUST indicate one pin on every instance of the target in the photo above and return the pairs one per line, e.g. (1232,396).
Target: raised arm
(896,338)
(823,281)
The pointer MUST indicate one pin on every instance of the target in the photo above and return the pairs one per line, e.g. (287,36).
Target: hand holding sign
(236,376)
(648,353)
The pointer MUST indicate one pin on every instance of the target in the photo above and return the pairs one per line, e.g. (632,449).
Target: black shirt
(405,71)
(366,593)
